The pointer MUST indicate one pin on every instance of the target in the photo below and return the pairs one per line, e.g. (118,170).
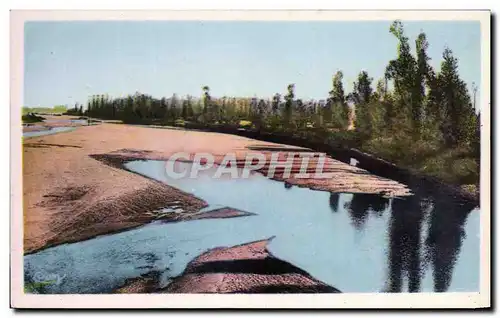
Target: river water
(52,130)
(354,242)
(67,121)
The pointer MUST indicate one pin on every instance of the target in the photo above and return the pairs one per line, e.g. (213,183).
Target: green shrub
(32,118)
(180,122)
(465,170)
(245,124)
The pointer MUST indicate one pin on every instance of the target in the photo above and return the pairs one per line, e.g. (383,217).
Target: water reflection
(362,204)
(405,244)
(445,238)
(424,234)
(410,254)
(334,201)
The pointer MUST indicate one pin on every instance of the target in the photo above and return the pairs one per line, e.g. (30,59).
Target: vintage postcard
(250,159)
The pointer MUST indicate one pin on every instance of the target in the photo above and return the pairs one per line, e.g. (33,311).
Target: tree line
(413,106)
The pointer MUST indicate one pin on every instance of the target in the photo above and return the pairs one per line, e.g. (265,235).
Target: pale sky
(65,62)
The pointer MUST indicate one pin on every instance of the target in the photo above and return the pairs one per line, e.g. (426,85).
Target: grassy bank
(456,166)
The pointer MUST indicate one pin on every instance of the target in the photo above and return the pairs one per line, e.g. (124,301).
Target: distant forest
(416,116)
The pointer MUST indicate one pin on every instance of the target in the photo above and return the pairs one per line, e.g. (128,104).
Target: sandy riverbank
(74,189)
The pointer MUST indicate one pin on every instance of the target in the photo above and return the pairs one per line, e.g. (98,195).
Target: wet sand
(74,185)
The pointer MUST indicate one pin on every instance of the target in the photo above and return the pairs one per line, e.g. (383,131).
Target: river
(354,242)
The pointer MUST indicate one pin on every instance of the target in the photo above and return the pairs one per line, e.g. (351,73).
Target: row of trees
(228,110)
(77,110)
(412,101)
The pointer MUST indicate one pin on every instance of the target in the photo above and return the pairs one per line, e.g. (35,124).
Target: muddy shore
(74,187)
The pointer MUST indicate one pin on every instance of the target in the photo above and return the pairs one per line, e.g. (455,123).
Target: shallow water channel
(52,130)
(67,121)
(354,242)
